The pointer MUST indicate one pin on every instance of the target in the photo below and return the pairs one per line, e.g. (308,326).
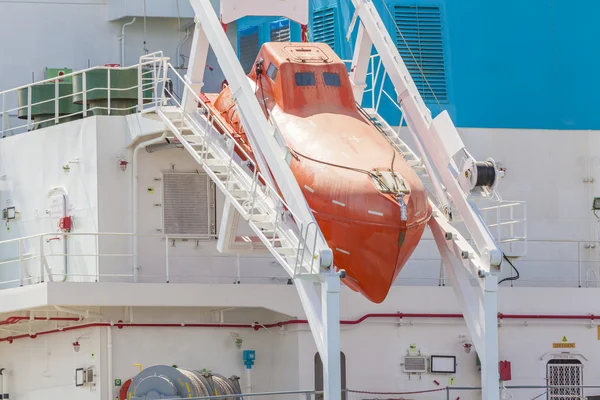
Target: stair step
(262,218)
(288,251)
(195,139)
(217,165)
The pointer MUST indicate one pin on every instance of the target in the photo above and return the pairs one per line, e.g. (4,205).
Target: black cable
(486,173)
(259,71)
(510,278)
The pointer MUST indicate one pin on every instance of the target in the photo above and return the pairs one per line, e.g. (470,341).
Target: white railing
(147,95)
(36,260)
(107,257)
(507,221)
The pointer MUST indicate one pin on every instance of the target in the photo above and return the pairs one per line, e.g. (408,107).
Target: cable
(259,71)
(362,171)
(486,173)
(510,278)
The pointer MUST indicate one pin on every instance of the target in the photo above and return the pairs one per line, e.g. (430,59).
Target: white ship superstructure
(133,237)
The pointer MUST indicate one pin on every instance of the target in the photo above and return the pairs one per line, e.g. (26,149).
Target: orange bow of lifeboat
(369,203)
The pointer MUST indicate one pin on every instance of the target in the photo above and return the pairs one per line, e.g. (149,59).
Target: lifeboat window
(305,79)
(272,72)
(331,79)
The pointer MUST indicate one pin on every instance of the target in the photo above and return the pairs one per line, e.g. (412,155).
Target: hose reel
(479,176)
(162,381)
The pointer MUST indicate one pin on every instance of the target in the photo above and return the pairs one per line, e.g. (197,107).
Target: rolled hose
(168,382)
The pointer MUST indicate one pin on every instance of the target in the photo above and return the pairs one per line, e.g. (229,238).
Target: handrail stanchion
(56,101)
(373,78)
(108,90)
(3,114)
(21,262)
(28,107)
(41,258)
(97,259)
(84,92)
(140,88)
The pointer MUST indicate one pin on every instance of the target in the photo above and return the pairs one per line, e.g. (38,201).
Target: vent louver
(415,364)
(421,46)
(187,209)
(323,26)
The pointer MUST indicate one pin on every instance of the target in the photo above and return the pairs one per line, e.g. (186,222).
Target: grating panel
(415,364)
(280,31)
(187,204)
(249,47)
(568,374)
(323,26)
(421,46)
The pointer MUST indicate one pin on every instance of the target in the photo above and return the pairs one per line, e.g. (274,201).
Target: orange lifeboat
(369,203)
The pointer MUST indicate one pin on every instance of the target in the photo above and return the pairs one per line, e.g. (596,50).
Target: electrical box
(65,224)
(90,377)
(442,364)
(249,356)
(415,364)
(505,372)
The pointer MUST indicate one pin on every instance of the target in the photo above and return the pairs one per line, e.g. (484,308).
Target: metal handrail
(575,260)
(5,113)
(44,269)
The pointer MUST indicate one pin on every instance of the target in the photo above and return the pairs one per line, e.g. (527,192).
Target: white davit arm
(296,10)
(438,136)
(260,133)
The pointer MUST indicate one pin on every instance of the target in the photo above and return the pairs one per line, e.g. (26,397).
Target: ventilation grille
(415,364)
(565,374)
(249,47)
(187,204)
(323,26)
(421,35)
(280,31)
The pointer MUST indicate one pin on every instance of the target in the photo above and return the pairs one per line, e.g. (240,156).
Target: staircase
(237,176)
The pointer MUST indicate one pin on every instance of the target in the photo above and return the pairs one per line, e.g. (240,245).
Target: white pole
(248,381)
(109,368)
(2,383)
(330,302)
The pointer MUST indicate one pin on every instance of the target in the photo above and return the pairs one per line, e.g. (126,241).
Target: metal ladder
(236,175)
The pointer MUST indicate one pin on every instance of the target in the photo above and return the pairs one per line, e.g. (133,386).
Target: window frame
(338,79)
(269,70)
(309,73)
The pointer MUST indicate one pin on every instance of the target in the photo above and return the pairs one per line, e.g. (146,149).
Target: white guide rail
(443,156)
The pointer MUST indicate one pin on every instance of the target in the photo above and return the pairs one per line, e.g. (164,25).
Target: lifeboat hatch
(390,182)
(306,53)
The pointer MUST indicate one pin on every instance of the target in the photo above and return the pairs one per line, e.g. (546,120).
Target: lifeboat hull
(369,203)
